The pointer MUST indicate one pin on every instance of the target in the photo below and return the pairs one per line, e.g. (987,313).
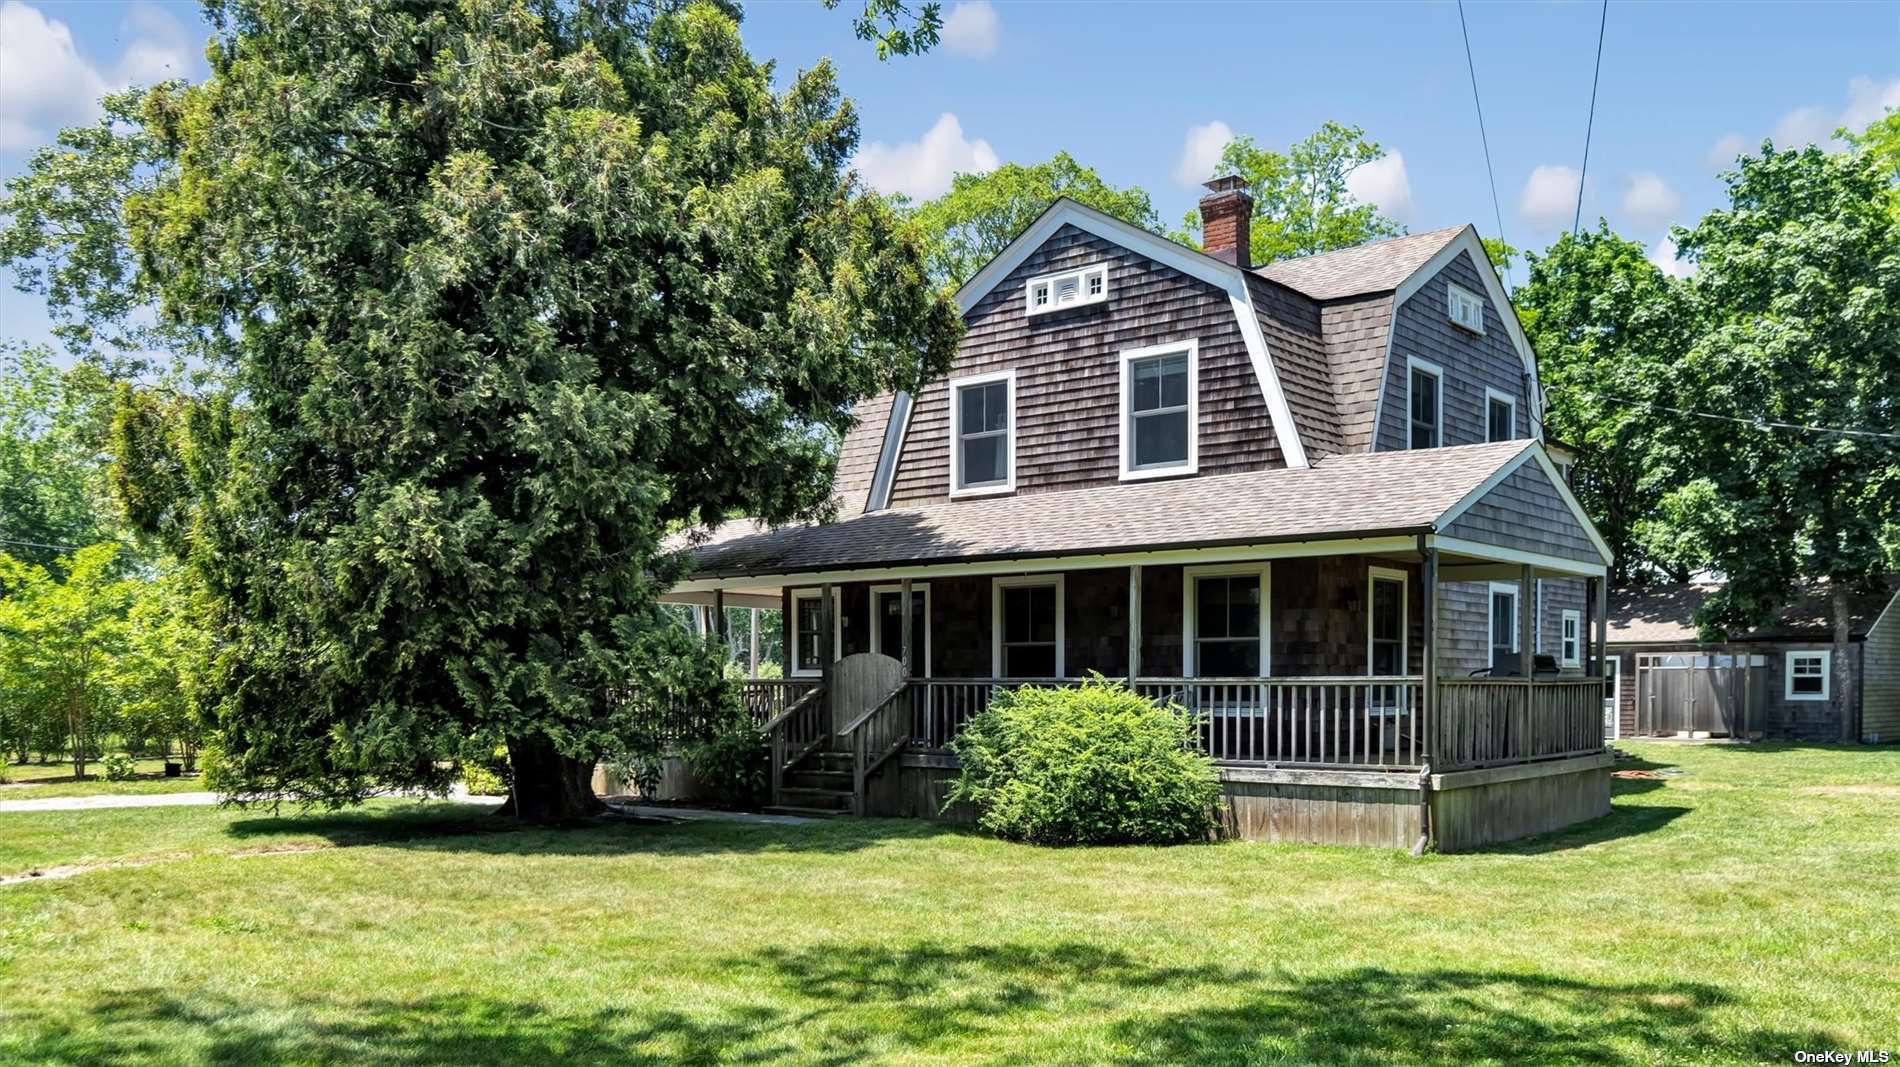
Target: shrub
(120,767)
(1094,764)
(485,769)
(732,761)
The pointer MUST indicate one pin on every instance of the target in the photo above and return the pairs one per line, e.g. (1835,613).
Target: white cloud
(1550,196)
(922,169)
(1867,100)
(1200,152)
(1648,200)
(45,83)
(1664,256)
(1385,183)
(971,29)
(1803,126)
(1726,147)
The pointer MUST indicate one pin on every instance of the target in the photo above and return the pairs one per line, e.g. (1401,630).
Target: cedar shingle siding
(1526,512)
(1880,682)
(1470,362)
(1069,374)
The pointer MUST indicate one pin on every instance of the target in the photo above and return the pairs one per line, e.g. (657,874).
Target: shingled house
(1309,502)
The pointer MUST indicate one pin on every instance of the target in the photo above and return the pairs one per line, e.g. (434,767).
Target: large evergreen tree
(501,293)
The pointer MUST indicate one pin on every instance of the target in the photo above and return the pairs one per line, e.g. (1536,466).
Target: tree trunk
(1844,696)
(548,787)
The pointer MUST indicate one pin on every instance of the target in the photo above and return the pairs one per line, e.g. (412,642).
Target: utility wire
(1483,138)
(40,544)
(1590,127)
(1761,424)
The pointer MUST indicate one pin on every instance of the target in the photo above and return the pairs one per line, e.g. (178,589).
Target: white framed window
(1424,403)
(1067,289)
(1160,410)
(1571,639)
(1465,308)
(983,434)
(807,618)
(887,623)
(1502,621)
(1387,615)
(1808,675)
(1027,626)
(1224,631)
(1500,415)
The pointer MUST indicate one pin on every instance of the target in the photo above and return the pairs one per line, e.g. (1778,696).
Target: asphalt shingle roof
(1367,268)
(1339,496)
(1665,614)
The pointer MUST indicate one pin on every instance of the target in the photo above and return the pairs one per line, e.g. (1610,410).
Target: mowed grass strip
(30,780)
(1739,911)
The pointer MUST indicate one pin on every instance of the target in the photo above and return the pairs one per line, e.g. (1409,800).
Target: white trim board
(895,427)
(1169,254)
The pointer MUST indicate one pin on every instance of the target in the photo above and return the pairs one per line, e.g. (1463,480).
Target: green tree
(59,639)
(1607,327)
(498,294)
(967,226)
(54,494)
(158,669)
(1300,201)
(1797,287)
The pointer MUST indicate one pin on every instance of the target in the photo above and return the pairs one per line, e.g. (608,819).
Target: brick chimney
(1226,217)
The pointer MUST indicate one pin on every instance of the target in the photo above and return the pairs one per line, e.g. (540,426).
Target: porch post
(1428,580)
(826,653)
(1603,625)
(1526,655)
(752,645)
(1134,623)
(720,626)
(904,606)
(1587,636)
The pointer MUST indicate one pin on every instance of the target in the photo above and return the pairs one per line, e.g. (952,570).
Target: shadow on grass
(843,1003)
(463,828)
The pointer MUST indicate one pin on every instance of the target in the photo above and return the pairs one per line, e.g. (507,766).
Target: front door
(887,631)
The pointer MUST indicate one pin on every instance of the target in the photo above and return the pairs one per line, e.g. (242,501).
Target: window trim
(1191,575)
(837,631)
(1083,298)
(916,589)
(1374,574)
(1008,484)
(1491,623)
(1570,638)
(1413,367)
(1453,294)
(1826,656)
(1494,395)
(1129,357)
(1028,581)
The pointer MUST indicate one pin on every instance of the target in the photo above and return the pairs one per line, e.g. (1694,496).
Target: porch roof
(1344,496)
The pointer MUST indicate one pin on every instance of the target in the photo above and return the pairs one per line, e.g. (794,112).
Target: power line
(40,544)
(1483,138)
(1590,127)
(1760,424)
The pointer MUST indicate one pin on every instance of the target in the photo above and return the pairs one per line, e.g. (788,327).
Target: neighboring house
(1305,500)
(1775,682)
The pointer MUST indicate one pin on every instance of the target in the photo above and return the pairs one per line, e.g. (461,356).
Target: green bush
(1094,764)
(120,767)
(485,769)
(732,762)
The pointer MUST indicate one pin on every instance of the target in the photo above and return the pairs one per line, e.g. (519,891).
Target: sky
(1147,93)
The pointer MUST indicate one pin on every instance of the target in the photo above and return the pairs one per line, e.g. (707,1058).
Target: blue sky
(1146,92)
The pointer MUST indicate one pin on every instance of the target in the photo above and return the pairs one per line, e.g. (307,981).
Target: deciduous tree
(1301,202)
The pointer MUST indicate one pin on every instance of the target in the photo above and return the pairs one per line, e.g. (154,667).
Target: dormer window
(1075,288)
(983,434)
(1465,308)
(1160,411)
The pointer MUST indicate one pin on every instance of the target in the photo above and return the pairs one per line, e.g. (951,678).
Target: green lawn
(25,780)
(1742,910)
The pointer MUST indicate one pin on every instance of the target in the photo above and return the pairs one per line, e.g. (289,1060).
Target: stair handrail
(793,708)
(782,757)
(874,737)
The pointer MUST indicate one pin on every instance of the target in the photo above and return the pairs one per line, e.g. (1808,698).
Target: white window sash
(1012,425)
(1129,359)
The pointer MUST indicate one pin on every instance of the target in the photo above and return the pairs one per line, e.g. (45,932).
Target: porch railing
(876,736)
(766,698)
(1488,721)
(793,733)
(1333,722)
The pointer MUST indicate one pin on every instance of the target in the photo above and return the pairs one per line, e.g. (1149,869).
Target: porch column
(720,626)
(752,645)
(1134,622)
(904,606)
(1526,655)
(1586,637)
(1428,583)
(826,653)
(1603,625)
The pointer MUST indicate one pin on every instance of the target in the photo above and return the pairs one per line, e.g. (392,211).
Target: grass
(1741,910)
(28,780)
